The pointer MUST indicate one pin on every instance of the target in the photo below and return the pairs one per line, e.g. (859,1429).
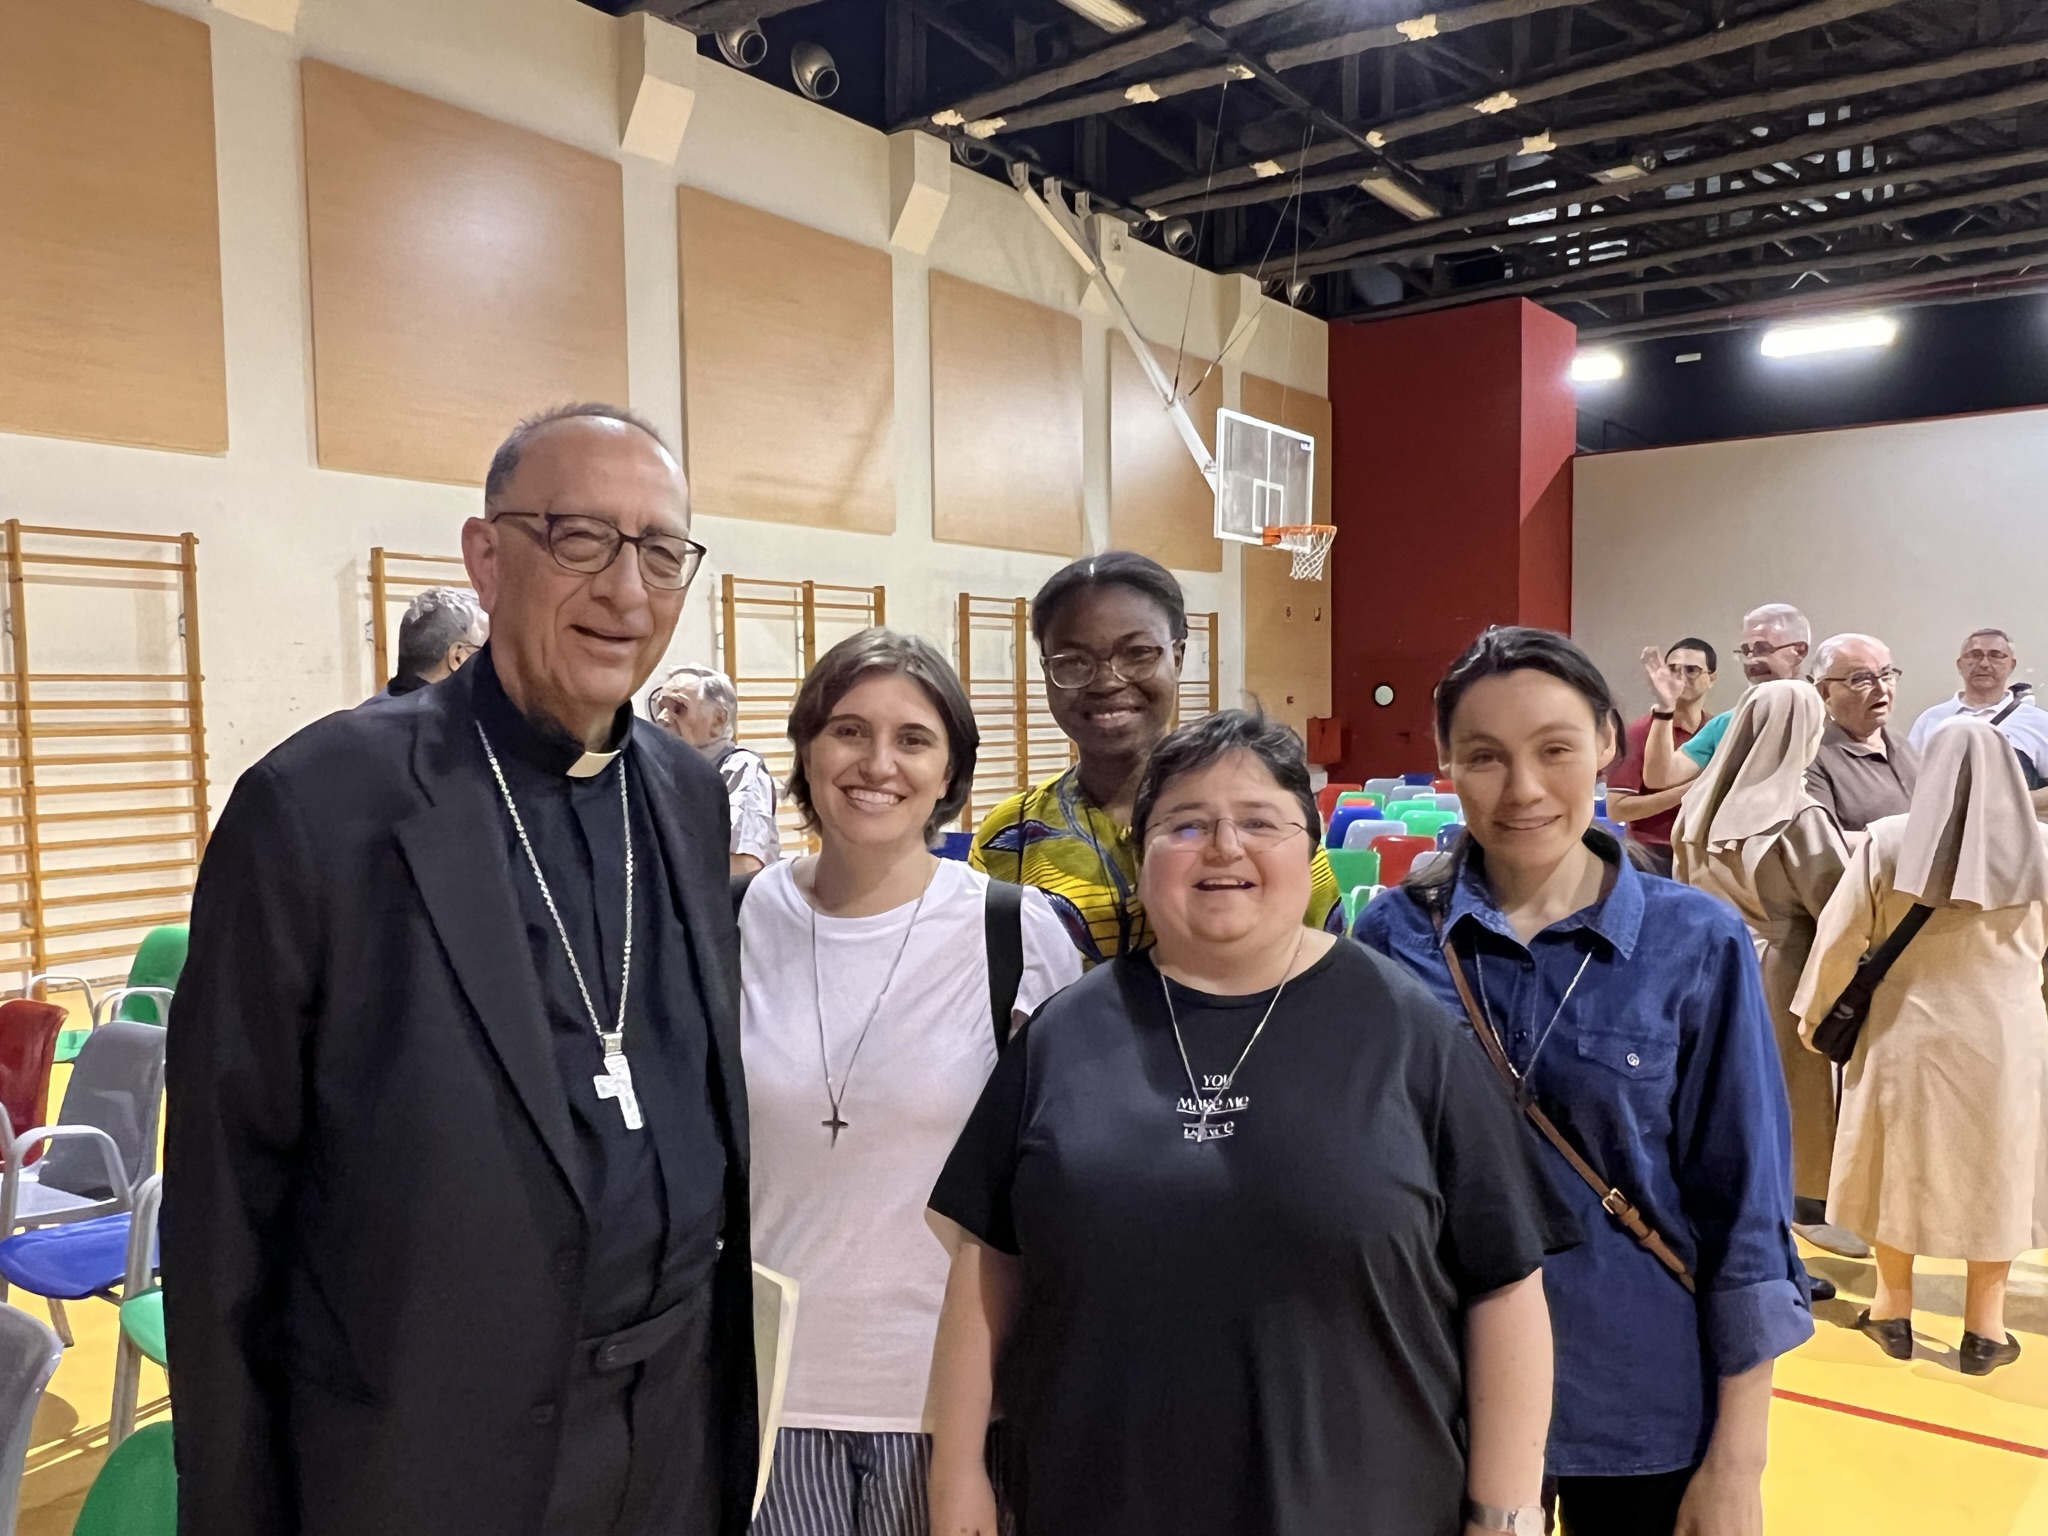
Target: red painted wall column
(1452,439)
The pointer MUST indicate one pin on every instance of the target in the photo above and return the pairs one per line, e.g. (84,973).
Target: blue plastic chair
(956,845)
(1446,836)
(1421,780)
(1342,818)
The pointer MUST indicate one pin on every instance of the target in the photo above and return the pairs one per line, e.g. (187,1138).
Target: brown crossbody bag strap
(1612,1200)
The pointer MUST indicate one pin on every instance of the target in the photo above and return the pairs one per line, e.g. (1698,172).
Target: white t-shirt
(2026,727)
(847,1221)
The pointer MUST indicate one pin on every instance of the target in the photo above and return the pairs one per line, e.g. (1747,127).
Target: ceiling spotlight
(743,47)
(1399,196)
(1179,235)
(1299,291)
(971,154)
(1810,336)
(814,71)
(1110,15)
(1597,366)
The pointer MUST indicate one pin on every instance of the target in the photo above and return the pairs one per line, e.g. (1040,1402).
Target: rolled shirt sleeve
(751,791)
(1733,1131)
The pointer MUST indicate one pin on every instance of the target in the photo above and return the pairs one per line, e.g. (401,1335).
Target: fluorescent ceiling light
(1598,366)
(1810,336)
(1399,196)
(1110,15)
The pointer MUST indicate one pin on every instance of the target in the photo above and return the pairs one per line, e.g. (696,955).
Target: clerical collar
(539,743)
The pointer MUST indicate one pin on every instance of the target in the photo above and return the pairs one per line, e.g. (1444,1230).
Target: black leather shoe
(1819,1287)
(1982,1356)
(1895,1336)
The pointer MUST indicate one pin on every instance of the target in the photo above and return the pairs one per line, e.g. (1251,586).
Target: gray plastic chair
(29,1353)
(104,1141)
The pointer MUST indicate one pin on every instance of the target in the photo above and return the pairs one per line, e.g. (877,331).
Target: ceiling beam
(1413,29)
(1134,49)
(1675,210)
(720,14)
(1853,133)
(1070,107)
(1760,103)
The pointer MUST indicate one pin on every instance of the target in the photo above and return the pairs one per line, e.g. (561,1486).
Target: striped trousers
(829,1482)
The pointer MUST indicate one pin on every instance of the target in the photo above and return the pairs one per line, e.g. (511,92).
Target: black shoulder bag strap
(1836,1035)
(1612,1200)
(1002,921)
(2027,769)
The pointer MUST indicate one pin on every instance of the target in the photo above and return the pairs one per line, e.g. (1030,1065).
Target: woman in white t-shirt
(868,1026)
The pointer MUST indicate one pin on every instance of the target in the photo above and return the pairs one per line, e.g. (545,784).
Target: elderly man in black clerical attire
(455,1227)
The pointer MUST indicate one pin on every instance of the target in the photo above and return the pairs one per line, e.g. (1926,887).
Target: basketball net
(1308,543)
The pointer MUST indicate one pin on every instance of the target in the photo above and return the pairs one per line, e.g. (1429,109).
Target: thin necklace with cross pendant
(835,1094)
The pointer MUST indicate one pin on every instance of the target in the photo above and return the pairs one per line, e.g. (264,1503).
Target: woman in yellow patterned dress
(1112,634)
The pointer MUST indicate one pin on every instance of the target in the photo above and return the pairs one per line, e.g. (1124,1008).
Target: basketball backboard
(1265,477)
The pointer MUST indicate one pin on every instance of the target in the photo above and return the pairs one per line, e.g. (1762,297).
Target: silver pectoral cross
(616,1082)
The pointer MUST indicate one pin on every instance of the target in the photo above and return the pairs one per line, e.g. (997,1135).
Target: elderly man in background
(1863,772)
(443,627)
(1985,664)
(456,1229)
(1775,639)
(700,705)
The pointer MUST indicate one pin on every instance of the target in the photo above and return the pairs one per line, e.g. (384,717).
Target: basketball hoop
(1309,543)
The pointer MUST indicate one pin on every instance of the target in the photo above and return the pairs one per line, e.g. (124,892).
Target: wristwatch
(1526,1521)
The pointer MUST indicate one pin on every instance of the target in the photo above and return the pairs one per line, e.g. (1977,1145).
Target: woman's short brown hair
(879,650)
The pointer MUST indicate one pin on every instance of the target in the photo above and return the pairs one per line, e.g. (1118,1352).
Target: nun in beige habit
(1749,832)
(1945,1103)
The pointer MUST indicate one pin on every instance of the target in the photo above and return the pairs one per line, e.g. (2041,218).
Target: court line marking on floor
(1899,1421)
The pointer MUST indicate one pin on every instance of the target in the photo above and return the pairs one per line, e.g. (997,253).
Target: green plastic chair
(1429,823)
(136,1493)
(1363,797)
(1354,867)
(1401,810)
(159,960)
(142,1320)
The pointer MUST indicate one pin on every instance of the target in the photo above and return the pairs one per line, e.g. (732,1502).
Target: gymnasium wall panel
(464,274)
(1287,622)
(110,299)
(1006,420)
(788,369)
(1159,502)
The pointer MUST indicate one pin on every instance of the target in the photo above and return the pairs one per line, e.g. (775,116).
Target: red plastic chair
(28,1048)
(1326,798)
(1443,787)
(1397,853)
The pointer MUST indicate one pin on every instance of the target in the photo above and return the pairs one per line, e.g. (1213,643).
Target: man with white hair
(443,627)
(1862,773)
(700,705)
(1985,664)
(1775,638)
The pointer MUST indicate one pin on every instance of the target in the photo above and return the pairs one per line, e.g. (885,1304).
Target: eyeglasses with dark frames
(1992,656)
(1071,671)
(1255,834)
(1867,682)
(589,545)
(1759,652)
(1687,669)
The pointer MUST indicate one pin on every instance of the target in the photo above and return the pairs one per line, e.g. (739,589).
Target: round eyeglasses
(589,545)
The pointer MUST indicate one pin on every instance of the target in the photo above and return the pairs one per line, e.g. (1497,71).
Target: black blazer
(373,1251)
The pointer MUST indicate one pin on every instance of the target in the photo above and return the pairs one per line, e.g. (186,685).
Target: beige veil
(1756,783)
(1972,839)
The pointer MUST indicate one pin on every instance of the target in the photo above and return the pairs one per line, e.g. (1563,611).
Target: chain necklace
(1485,1002)
(837,1096)
(616,1081)
(1208,1105)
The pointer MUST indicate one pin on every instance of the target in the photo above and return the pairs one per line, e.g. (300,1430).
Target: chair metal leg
(61,1323)
(127,1385)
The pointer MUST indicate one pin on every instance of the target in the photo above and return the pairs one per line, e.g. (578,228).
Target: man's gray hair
(1786,622)
(714,688)
(1987,630)
(505,462)
(435,620)
(1832,647)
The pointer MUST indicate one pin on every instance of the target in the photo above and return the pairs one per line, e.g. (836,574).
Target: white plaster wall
(1915,532)
(284,545)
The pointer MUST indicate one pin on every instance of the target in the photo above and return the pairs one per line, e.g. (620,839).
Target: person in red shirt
(1649,814)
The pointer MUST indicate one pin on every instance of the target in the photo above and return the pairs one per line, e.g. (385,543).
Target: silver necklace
(837,1096)
(1208,1105)
(1486,1002)
(616,1081)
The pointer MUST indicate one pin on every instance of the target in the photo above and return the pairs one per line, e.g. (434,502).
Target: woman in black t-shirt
(1247,1238)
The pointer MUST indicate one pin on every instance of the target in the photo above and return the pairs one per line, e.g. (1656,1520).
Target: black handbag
(1836,1035)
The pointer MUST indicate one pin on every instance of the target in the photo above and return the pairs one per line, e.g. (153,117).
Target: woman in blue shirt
(1631,1010)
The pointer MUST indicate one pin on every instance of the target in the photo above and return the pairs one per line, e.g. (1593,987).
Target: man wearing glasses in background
(1649,814)
(1986,667)
(1862,772)
(455,1232)
(1775,639)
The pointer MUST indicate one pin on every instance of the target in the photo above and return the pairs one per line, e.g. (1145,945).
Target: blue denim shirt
(1663,1069)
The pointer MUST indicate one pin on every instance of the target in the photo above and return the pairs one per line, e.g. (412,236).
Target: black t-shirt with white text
(1258,1333)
